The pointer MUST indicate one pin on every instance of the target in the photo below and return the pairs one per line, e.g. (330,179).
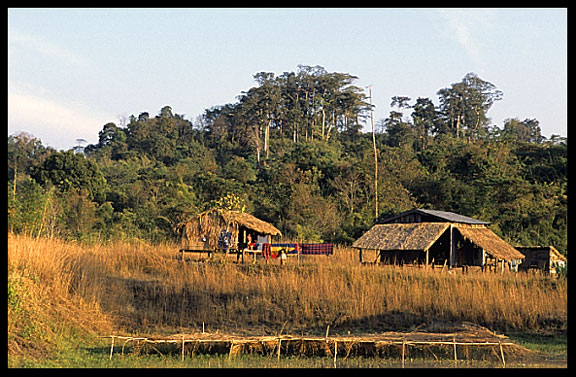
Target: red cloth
(316,248)
(267,252)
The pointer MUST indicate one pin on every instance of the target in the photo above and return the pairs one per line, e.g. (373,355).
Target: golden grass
(43,306)
(134,287)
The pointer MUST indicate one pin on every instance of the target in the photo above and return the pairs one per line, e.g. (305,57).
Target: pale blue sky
(70,71)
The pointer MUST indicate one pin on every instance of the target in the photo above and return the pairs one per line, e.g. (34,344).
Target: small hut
(543,258)
(204,230)
(432,237)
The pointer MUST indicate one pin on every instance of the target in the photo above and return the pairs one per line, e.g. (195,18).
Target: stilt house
(429,237)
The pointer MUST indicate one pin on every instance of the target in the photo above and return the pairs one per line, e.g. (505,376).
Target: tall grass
(141,288)
(43,307)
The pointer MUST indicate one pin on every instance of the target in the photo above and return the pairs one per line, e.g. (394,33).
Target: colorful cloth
(316,248)
(266,252)
(272,251)
(224,239)
(289,248)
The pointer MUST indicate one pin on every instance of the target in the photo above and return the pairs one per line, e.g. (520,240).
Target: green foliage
(68,171)
(27,208)
(290,152)
(230,202)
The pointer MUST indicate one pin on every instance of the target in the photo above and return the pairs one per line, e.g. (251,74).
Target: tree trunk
(267,138)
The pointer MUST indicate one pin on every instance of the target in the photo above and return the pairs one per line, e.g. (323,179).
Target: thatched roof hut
(206,227)
(436,236)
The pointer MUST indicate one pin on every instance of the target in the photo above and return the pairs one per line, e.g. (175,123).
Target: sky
(72,70)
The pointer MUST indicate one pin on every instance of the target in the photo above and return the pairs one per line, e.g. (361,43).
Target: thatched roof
(421,236)
(207,226)
(418,236)
(251,222)
(490,242)
(557,254)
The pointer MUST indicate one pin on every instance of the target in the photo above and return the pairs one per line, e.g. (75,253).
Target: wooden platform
(388,344)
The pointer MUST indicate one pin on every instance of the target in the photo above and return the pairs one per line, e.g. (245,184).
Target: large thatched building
(204,230)
(436,237)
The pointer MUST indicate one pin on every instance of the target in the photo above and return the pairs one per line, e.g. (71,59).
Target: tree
(527,130)
(111,142)
(400,133)
(27,208)
(24,150)
(464,105)
(426,120)
(78,216)
(67,171)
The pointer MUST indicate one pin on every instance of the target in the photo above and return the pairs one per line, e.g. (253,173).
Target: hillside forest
(291,151)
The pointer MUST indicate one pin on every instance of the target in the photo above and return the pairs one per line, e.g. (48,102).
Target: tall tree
(464,106)
(527,130)
(425,119)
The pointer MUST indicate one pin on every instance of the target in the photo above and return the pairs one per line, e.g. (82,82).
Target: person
(249,243)
(282,256)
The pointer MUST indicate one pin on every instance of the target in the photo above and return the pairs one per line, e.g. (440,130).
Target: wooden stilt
(403,352)
(279,345)
(335,352)
(502,354)
(455,354)
(182,347)
(231,348)
(112,347)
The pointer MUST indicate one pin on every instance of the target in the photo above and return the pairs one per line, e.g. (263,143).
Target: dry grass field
(58,290)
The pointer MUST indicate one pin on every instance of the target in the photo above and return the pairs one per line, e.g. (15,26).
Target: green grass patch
(552,344)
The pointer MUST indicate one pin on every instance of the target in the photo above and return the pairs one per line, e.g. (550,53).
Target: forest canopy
(292,151)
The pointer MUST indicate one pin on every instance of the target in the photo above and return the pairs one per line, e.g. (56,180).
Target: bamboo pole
(112,347)
(455,354)
(502,354)
(375,156)
(231,348)
(403,352)
(279,345)
(335,352)
(182,347)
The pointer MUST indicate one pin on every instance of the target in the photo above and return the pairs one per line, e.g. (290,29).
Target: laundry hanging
(316,248)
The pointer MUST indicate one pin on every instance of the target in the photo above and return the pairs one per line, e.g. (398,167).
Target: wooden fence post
(335,352)
(403,350)
(455,354)
(279,345)
(182,347)
(112,347)
(502,354)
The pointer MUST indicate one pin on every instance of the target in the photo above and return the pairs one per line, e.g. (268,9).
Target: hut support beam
(452,251)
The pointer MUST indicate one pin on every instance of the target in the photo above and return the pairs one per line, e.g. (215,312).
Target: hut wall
(469,254)
(403,257)
(541,258)
(439,252)
(411,218)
